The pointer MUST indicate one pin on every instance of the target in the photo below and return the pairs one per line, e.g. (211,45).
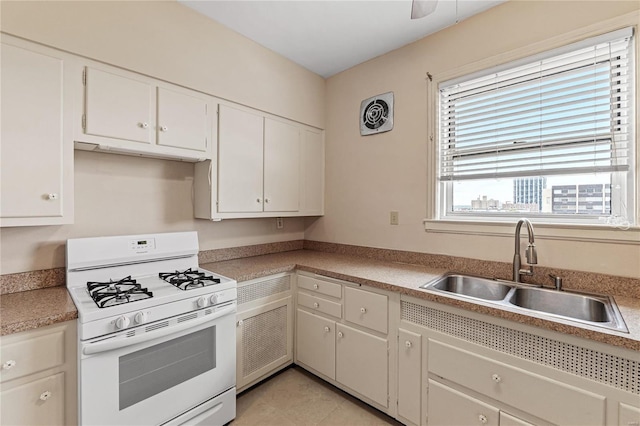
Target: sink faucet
(532,256)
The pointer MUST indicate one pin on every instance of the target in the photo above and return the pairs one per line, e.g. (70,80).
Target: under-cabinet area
(38,376)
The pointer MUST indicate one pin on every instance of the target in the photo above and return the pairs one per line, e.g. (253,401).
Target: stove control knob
(122,322)
(214,299)
(140,318)
(201,302)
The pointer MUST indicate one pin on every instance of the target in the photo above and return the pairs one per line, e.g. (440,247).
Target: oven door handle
(94,348)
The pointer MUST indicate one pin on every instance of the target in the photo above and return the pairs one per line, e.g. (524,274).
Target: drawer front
(448,407)
(366,309)
(40,402)
(540,396)
(320,305)
(31,355)
(320,286)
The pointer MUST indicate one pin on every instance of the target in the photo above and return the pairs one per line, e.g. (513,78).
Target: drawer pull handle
(316,305)
(482,418)
(496,378)
(363,310)
(408,344)
(45,395)
(9,365)
(315,286)
(327,329)
(340,334)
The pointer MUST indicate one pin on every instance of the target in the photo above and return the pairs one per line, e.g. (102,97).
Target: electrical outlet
(394,218)
(279,223)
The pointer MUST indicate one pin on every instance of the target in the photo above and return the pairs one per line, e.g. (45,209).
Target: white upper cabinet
(265,166)
(36,169)
(130,113)
(118,107)
(281,166)
(240,165)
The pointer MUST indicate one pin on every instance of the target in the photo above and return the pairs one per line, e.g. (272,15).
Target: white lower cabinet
(316,343)
(448,407)
(409,375)
(349,350)
(38,376)
(361,363)
(264,328)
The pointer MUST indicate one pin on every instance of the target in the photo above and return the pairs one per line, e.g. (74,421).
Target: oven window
(150,371)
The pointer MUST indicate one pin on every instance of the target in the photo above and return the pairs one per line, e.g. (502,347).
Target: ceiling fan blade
(422,8)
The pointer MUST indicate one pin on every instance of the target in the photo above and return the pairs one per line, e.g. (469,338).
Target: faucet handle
(557,281)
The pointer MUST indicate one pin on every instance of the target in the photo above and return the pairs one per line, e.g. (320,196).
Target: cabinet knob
(496,378)
(327,329)
(482,418)
(163,128)
(240,322)
(9,365)
(340,334)
(363,310)
(144,125)
(316,305)
(52,196)
(266,200)
(257,200)
(45,395)
(315,286)
(408,344)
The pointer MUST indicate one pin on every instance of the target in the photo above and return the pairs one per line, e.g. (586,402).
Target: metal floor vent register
(612,370)
(376,114)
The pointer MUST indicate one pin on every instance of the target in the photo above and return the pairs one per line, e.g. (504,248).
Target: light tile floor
(296,397)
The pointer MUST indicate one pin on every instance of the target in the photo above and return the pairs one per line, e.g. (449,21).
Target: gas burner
(113,293)
(189,279)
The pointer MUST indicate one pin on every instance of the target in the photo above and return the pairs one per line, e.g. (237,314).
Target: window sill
(543,231)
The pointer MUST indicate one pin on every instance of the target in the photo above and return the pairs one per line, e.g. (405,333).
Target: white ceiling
(329,36)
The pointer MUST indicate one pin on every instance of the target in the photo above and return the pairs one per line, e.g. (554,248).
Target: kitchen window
(549,137)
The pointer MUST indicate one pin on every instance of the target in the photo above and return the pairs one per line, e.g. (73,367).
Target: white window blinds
(568,112)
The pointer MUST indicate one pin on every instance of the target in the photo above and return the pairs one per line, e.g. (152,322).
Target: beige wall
(367,177)
(168,41)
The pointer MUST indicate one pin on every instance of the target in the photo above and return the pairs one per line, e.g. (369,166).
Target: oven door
(159,372)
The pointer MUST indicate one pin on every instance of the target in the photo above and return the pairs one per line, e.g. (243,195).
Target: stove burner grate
(189,279)
(112,293)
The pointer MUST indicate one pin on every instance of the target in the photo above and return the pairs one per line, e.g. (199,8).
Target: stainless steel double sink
(595,310)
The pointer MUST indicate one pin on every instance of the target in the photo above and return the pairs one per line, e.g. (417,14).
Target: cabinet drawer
(319,304)
(366,309)
(541,396)
(27,356)
(40,402)
(448,407)
(320,286)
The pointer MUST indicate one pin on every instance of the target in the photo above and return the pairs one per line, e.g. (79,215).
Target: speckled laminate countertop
(31,309)
(37,308)
(406,279)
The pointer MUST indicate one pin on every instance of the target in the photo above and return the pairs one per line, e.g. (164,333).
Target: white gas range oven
(156,333)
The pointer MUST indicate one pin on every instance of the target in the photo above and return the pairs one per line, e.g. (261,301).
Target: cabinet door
(362,363)
(628,415)
(37,148)
(281,166)
(448,407)
(264,340)
(312,173)
(240,167)
(119,107)
(509,420)
(409,375)
(182,120)
(40,402)
(316,343)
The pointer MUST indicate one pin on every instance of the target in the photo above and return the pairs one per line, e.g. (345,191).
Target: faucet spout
(531,254)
